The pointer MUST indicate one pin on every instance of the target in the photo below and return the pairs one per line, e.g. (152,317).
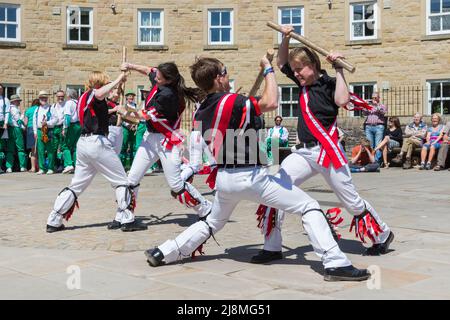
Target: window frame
(8,86)
(428,21)
(352,86)
(293,103)
(69,25)
(161,27)
(17,23)
(78,87)
(430,99)
(221,43)
(302,17)
(375,20)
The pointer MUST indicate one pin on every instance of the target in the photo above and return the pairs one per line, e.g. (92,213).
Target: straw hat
(43,94)
(15,97)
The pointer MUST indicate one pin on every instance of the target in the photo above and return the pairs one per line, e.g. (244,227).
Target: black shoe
(114,225)
(265,256)
(154,257)
(133,226)
(380,248)
(51,229)
(349,273)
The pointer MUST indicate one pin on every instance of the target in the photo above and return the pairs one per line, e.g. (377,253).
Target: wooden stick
(340,62)
(122,88)
(254,90)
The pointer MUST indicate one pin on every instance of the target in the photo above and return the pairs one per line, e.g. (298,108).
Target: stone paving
(111,264)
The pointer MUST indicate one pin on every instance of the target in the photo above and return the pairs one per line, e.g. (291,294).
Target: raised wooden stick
(340,62)
(254,90)
(122,88)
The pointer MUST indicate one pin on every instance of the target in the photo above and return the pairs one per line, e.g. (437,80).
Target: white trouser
(148,153)
(302,165)
(116,137)
(94,154)
(254,184)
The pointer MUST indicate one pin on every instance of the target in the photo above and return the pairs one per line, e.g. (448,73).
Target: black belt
(235,166)
(307,145)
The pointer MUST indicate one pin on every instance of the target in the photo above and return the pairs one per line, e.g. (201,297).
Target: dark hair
(204,71)
(278,117)
(3,87)
(35,102)
(306,56)
(396,121)
(170,72)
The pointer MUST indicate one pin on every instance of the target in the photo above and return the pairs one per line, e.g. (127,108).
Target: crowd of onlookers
(384,135)
(43,138)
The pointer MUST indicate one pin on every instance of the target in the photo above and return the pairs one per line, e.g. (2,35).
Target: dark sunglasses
(224,72)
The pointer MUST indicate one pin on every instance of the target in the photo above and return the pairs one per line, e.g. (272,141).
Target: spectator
(30,140)
(129,135)
(58,138)
(375,122)
(6,144)
(278,135)
(363,159)
(71,131)
(414,135)
(17,128)
(443,151)
(434,136)
(44,119)
(393,139)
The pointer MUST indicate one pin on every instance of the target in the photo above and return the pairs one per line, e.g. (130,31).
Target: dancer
(230,123)
(162,141)
(95,153)
(319,151)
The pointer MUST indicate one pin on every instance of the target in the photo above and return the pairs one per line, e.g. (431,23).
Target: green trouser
(43,147)
(140,131)
(7,147)
(129,141)
(69,145)
(20,146)
(277,143)
(57,140)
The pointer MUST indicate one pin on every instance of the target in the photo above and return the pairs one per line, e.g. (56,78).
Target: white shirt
(42,113)
(70,109)
(15,116)
(4,109)
(275,133)
(59,112)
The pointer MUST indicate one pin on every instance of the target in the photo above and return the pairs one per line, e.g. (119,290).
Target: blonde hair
(306,56)
(97,79)
(436,115)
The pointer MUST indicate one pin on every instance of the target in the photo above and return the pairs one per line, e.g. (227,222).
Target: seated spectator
(434,136)
(277,135)
(414,136)
(393,139)
(363,159)
(443,151)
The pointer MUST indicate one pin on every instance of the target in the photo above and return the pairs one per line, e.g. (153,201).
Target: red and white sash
(330,151)
(85,102)
(172,134)
(220,123)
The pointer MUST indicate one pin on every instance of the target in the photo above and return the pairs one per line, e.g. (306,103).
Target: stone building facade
(397,46)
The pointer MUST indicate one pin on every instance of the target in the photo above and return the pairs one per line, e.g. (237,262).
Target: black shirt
(321,103)
(236,149)
(166,102)
(99,123)
(112,117)
(396,135)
